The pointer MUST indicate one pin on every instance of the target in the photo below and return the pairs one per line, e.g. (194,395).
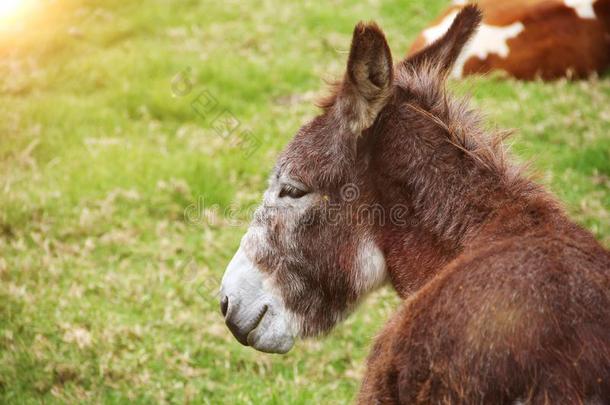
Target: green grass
(107,293)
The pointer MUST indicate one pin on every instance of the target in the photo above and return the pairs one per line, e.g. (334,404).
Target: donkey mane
(423,90)
(462,124)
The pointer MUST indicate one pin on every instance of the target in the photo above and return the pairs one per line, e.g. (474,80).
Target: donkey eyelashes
(292,192)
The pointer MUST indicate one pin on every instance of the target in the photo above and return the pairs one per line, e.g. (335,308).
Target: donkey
(505,299)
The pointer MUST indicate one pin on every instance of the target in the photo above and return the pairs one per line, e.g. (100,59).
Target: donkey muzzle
(253,314)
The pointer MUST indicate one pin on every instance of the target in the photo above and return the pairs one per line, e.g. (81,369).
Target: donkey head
(312,252)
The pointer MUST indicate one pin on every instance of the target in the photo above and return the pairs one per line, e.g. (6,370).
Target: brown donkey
(506,300)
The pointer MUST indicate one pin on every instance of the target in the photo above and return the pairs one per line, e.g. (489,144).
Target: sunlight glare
(11,8)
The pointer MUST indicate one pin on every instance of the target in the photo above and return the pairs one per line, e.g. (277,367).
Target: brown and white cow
(532,38)
(506,300)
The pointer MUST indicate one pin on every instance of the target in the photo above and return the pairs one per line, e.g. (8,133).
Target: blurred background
(136,136)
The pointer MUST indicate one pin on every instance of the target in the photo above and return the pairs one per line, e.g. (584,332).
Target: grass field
(123,196)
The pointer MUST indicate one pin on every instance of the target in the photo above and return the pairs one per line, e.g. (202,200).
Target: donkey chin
(254,313)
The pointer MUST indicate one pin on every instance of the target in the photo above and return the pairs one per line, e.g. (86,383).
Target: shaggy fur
(508,300)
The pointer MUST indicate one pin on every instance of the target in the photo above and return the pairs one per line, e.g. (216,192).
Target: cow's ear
(368,78)
(443,53)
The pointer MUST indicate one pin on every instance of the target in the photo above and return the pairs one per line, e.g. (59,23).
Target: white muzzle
(255,315)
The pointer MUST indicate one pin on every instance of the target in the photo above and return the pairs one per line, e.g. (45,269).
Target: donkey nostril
(224,305)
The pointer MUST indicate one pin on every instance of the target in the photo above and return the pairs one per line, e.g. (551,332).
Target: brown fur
(511,299)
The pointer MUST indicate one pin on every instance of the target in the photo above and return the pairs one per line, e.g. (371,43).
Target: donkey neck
(450,215)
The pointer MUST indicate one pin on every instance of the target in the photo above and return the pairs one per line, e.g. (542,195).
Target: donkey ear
(445,51)
(368,80)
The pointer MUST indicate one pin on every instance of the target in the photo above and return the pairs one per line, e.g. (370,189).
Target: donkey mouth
(242,334)
(251,335)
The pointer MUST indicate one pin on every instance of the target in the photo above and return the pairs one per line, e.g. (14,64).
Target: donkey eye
(291,191)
